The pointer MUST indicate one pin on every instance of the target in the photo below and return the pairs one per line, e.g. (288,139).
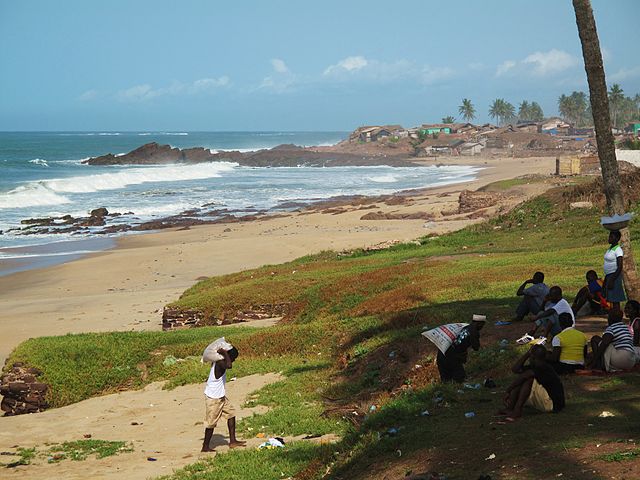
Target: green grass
(81,449)
(76,451)
(621,456)
(351,339)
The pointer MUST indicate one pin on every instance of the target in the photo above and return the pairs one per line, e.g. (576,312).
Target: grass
(351,340)
(621,456)
(81,449)
(76,451)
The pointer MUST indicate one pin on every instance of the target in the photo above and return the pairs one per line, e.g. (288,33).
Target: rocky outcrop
(22,391)
(178,319)
(281,156)
(471,201)
(379,215)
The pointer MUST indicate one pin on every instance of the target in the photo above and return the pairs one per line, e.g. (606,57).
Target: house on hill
(437,128)
(368,134)
(633,128)
(440,146)
(555,126)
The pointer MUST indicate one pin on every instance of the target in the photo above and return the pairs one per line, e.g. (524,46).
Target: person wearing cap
(451,363)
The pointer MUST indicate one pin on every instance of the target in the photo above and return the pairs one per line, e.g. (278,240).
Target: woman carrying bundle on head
(613,258)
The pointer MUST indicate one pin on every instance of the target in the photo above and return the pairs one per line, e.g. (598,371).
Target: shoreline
(101,292)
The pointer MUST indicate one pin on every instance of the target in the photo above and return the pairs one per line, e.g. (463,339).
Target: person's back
(571,343)
(546,376)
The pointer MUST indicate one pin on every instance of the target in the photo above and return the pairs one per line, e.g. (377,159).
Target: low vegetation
(356,365)
(77,450)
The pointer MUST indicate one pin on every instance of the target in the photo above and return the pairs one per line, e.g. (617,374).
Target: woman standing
(613,258)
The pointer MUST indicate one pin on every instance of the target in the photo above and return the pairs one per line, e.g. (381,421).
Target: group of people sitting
(617,349)
(538,383)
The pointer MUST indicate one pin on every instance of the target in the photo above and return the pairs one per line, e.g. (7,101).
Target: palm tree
(467,110)
(616,97)
(604,137)
(535,112)
(636,99)
(524,111)
(448,119)
(501,110)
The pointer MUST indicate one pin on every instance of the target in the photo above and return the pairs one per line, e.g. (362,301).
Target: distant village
(553,136)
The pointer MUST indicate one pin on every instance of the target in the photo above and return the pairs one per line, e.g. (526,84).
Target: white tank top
(215,386)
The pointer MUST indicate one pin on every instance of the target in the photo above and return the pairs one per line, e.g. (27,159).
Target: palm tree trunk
(602,122)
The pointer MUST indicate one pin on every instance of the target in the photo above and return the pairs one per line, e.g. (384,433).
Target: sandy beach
(125,288)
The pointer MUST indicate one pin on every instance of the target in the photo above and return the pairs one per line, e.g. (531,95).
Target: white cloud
(145,91)
(624,74)
(504,67)
(431,75)
(88,95)
(279,66)
(363,69)
(349,64)
(540,64)
(281,80)
(553,61)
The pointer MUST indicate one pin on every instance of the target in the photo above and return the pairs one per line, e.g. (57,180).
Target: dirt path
(169,428)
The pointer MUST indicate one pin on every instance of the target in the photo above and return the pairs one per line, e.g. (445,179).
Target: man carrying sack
(451,361)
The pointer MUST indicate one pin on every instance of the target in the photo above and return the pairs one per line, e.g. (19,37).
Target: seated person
(614,350)
(537,385)
(451,363)
(569,347)
(632,310)
(593,293)
(549,318)
(533,296)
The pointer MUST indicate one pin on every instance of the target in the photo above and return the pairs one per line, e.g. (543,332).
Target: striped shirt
(622,338)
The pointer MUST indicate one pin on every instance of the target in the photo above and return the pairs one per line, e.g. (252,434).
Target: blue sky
(293,65)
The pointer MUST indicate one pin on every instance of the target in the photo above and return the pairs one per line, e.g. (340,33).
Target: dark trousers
(565,368)
(527,305)
(451,366)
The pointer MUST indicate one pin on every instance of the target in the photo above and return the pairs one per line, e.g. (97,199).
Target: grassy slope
(347,315)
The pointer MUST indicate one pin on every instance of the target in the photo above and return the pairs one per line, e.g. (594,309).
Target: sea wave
(31,195)
(48,192)
(145,134)
(39,161)
(389,178)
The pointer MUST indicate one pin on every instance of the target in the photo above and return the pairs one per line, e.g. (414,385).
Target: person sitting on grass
(614,350)
(532,297)
(451,363)
(569,347)
(549,318)
(632,310)
(537,386)
(217,403)
(593,293)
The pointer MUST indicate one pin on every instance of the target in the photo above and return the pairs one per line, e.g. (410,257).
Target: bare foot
(237,444)
(208,449)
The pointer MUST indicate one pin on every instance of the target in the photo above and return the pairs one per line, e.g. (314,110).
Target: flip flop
(502,323)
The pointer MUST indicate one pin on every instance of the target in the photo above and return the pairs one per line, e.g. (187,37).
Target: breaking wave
(50,192)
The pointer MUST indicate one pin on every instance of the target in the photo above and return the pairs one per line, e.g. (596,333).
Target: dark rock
(38,221)
(99,212)
(22,392)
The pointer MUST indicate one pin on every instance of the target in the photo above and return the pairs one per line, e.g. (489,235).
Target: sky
(293,65)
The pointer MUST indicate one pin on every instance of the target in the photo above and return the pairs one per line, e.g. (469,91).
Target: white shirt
(611,259)
(215,386)
(563,307)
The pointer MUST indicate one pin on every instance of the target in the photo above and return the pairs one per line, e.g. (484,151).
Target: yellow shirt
(571,342)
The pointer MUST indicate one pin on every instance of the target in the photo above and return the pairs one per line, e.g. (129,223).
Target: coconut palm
(524,113)
(616,98)
(535,112)
(467,110)
(501,110)
(448,119)
(604,137)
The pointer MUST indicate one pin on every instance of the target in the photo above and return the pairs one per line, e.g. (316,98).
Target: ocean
(41,175)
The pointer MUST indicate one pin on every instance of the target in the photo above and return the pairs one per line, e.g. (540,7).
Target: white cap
(479,318)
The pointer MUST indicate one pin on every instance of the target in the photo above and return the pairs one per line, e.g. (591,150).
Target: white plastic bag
(211,355)
(444,335)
